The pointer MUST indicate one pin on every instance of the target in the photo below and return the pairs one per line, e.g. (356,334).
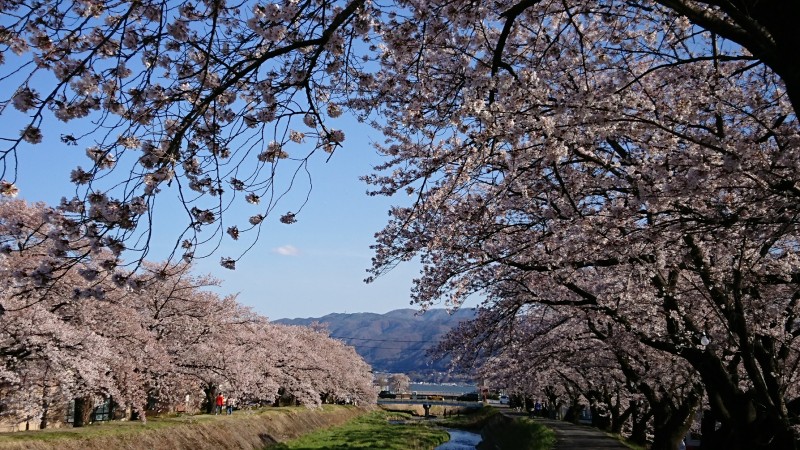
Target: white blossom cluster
(189,90)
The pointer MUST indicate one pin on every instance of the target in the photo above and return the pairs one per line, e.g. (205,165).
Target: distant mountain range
(395,342)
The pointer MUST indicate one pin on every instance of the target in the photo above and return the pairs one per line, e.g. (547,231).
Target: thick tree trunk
(83,412)
(574,411)
(670,423)
(780,18)
(45,411)
(767,28)
(45,408)
(669,427)
(527,403)
(746,427)
(45,399)
(742,420)
(209,401)
(77,413)
(640,416)
(553,403)
(600,419)
(639,428)
(670,440)
(618,418)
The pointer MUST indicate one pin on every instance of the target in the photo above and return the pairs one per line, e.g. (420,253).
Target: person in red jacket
(220,403)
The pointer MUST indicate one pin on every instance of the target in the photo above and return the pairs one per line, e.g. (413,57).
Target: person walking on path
(229,406)
(219,403)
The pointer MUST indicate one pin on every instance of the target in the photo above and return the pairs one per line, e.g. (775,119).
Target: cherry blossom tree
(562,356)
(399,382)
(54,347)
(655,190)
(319,369)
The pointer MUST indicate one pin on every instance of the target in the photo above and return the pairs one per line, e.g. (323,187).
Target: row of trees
(148,343)
(619,181)
(571,362)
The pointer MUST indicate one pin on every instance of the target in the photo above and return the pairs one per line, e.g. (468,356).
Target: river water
(460,440)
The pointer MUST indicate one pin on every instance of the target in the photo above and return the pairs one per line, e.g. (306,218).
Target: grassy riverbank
(518,434)
(501,432)
(535,435)
(338,428)
(242,430)
(373,431)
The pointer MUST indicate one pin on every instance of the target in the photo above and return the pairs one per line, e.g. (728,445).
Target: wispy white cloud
(286,250)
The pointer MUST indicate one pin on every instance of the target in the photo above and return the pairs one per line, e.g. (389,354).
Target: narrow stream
(460,440)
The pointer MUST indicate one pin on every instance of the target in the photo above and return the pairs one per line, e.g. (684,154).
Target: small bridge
(423,402)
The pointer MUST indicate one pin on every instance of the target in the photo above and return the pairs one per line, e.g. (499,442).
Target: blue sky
(307,269)
(313,267)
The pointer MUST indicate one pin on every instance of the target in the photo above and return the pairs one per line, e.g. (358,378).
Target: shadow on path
(575,437)
(580,437)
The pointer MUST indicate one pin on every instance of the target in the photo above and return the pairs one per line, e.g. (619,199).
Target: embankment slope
(242,430)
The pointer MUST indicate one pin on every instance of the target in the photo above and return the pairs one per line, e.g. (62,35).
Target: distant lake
(442,388)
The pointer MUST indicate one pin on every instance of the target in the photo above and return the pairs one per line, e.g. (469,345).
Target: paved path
(580,437)
(576,437)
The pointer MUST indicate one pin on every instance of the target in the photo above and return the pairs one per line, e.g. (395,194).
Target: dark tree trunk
(671,422)
(779,18)
(600,418)
(553,403)
(209,401)
(574,411)
(618,419)
(752,420)
(45,408)
(746,427)
(639,430)
(767,28)
(611,421)
(83,412)
(77,413)
(527,403)
(45,399)
(45,411)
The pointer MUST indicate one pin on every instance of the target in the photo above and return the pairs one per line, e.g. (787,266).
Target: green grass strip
(520,433)
(526,434)
(474,420)
(372,431)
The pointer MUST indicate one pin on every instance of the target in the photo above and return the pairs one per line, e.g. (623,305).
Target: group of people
(222,401)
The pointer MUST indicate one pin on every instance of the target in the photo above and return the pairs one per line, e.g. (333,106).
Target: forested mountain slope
(396,341)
